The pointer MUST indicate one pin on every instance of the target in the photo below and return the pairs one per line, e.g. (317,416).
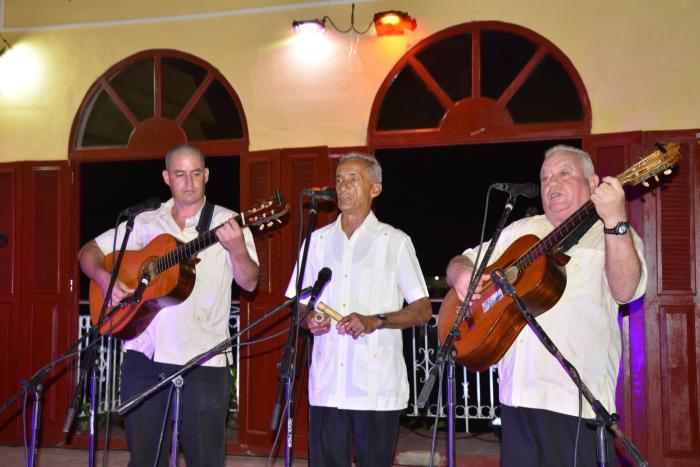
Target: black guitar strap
(573,238)
(205,217)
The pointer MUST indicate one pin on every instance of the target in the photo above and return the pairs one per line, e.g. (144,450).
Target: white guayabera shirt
(373,272)
(583,325)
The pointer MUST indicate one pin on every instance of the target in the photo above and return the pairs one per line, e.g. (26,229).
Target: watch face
(622,229)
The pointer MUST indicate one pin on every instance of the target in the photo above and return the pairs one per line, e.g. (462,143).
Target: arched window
(480,82)
(154,100)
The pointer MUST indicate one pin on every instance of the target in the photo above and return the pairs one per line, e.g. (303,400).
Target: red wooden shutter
(40,325)
(672,310)
(10,272)
(612,154)
(292,171)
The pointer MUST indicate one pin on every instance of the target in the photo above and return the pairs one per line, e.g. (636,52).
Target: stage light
(393,23)
(386,23)
(309,26)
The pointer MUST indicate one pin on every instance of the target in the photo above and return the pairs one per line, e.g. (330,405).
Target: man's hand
(357,325)
(459,274)
(609,201)
(231,236)
(315,327)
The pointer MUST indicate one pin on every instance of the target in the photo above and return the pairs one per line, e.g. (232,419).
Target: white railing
(475,392)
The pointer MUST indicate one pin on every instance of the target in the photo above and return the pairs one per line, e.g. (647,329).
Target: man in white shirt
(179,332)
(358,383)
(540,403)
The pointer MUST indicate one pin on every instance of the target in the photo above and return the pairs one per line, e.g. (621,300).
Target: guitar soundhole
(512,274)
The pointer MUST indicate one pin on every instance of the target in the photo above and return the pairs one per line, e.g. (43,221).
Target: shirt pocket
(376,290)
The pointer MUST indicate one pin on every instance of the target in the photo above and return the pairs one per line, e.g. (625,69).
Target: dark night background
(436,195)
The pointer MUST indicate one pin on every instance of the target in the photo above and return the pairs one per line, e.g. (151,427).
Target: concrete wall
(639,60)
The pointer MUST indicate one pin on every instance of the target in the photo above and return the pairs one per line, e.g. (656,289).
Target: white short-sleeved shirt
(583,325)
(180,332)
(373,272)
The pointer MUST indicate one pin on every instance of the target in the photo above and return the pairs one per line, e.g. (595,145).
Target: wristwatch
(382,317)
(621,228)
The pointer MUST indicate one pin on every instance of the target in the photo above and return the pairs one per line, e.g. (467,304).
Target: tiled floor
(413,449)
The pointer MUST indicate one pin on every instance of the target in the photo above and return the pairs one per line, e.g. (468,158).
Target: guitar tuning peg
(645,184)
(270,224)
(278,221)
(668,172)
(656,177)
(260,227)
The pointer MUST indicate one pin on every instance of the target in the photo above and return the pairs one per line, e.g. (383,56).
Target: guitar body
(170,287)
(496,320)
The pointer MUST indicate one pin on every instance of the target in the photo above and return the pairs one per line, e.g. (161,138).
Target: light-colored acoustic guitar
(166,270)
(536,269)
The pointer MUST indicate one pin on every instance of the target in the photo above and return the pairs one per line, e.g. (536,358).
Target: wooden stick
(323,310)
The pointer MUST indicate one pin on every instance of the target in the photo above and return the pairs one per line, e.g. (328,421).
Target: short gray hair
(375,170)
(188,148)
(583,157)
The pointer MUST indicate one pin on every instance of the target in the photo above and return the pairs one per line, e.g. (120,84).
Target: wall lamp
(393,23)
(4,46)
(386,23)
(310,26)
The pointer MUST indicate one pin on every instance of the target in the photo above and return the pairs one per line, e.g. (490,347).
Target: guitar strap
(205,217)
(203,227)
(570,241)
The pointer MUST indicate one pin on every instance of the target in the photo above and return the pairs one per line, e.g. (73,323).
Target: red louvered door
(673,309)
(36,314)
(290,170)
(657,395)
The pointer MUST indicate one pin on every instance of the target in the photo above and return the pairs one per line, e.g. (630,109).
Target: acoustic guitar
(163,272)
(536,268)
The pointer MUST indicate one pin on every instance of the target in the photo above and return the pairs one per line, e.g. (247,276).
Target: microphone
(323,277)
(149,205)
(528,190)
(326,193)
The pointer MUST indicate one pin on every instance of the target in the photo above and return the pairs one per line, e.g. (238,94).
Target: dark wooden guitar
(167,266)
(536,269)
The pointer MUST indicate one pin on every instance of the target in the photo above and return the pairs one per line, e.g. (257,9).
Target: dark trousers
(334,432)
(535,437)
(205,397)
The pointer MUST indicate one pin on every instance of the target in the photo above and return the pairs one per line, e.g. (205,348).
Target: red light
(393,23)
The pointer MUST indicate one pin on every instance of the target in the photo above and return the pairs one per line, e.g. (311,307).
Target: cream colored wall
(639,60)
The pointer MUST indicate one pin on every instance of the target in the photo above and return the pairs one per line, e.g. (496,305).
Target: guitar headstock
(266,214)
(659,161)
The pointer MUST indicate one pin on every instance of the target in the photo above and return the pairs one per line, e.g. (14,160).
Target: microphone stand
(287,368)
(603,418)
(446,352)
(89,358)
(90,340)
(198,359)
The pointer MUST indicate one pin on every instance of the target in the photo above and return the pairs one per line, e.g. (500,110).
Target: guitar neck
(187,250)
(563,230)
(556,236)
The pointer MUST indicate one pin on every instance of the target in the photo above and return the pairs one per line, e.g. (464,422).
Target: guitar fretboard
(555,237)
(187,250)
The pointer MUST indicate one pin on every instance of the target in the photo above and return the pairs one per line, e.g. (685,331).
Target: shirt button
(344,305)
